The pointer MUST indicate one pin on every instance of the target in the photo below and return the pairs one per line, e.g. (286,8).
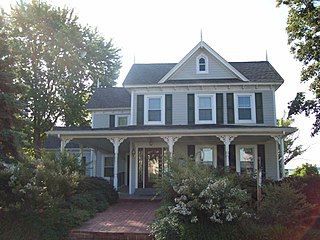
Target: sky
(164,31)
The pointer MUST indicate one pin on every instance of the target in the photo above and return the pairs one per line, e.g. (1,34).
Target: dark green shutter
(220,156)
(112,121)
(168,112)
(259,107)
(230,107)
(191,117)
(140,109)
(219,108)
(191,152)
(262,159)
(232,156)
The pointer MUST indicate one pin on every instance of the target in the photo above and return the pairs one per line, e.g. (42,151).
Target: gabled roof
(151,74)
(110,97)
(203,45)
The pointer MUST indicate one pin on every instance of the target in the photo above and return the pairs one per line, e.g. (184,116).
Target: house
(203,107)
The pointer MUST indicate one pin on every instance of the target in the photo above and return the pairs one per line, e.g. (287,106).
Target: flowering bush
(196,194)
(218,201)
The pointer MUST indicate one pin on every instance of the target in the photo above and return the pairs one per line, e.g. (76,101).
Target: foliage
(284,212)
(308,185)
(9,144)
(58,62)
(283,205)
(196,194)
(304,37)
(306,169)
(96,184)
(291,150)
(44,199)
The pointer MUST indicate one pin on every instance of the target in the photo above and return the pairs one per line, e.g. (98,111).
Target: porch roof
(165,130)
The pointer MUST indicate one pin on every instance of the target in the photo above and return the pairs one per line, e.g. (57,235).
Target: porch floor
(122,221)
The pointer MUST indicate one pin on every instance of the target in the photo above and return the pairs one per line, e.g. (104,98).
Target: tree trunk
(37,144)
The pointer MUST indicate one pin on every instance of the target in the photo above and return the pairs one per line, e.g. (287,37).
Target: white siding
(189,69)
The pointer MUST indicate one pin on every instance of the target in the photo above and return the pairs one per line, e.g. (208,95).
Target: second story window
(122,121)
(205,109)
(245,108)
(202,64)
(154,110)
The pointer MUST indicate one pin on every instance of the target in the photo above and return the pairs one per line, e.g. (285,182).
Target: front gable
(202,62)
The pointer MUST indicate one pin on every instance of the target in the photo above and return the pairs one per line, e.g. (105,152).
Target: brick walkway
(122,221)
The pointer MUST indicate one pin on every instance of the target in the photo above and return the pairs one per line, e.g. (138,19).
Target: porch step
(85,235)
(146,192)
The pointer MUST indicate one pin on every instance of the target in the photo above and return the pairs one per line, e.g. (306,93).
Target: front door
(154,165)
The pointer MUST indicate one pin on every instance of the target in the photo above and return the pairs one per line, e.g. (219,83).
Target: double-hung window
(205,109)
(154,110)
(245,109)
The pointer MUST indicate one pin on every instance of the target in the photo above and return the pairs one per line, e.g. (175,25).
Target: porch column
(81,152)
(171,140)
(226,139)
(280,141)
(64,142)
(116,143)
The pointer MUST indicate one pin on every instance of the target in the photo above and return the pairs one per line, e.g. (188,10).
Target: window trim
(255,153)
(162,109)
(253,108)
(213,108)
(117,120)
(198,64)
(104,166)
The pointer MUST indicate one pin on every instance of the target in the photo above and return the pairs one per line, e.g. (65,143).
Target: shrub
(44,199)
(98,187)
(196,195)
(283,205)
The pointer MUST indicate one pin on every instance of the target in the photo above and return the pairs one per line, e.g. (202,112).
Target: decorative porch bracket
(116,143)
(280,141)
(171,140)
(226,139)
(64,142)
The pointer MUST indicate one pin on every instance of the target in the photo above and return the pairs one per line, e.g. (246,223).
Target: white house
(203,107)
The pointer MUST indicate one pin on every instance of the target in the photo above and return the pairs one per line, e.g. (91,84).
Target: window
(154,110)
(245,110)
(205,110)
(202,64)
(247,159)
(206,155)
(108,166)
(122,121)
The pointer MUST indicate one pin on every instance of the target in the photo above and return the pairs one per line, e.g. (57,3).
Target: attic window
(202,64)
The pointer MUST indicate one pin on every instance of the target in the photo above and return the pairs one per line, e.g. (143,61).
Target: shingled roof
(111,97)
(150,74)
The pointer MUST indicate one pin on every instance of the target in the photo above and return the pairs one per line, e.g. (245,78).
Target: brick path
(122,221)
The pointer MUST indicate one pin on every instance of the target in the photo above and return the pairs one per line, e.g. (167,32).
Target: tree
(303,28)
(9,150)
(290,149)
(306,169)
(59,62)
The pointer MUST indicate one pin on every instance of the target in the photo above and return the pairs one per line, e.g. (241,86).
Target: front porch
(136,156)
